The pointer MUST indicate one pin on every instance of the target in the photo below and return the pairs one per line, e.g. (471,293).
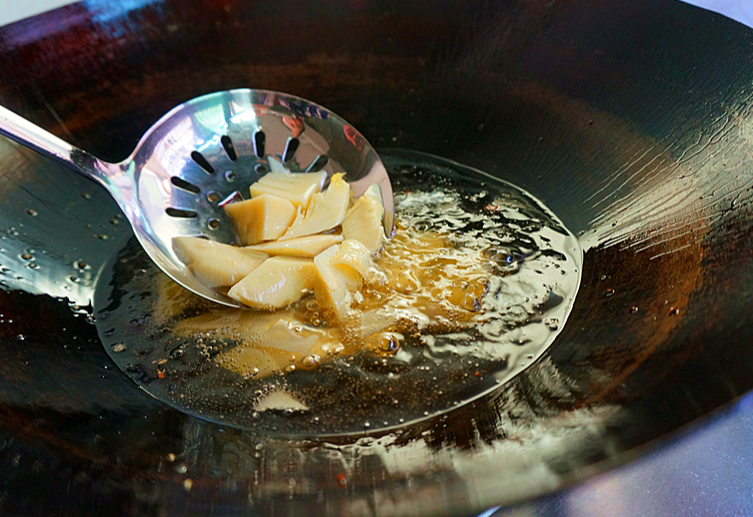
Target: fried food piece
(214,263)
(263,218)
(278,282)
(324,212)
(308,247)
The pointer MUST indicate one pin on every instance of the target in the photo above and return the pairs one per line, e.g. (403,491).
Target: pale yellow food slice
(325,210)
(363,222)
(263,218)
(281,336)
(252,361)
(243,325)
(332,285)
(280,330)
(309,246)
(353,255)
(216,264)
(279,400)
(278,282)
(296,187)
(267,342)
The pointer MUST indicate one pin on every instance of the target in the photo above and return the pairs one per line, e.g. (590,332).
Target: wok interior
(632,123)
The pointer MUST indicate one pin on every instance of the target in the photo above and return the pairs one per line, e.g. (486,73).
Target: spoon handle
(37,139)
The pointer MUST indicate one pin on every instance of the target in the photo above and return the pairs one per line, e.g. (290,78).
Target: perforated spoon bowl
(206,152)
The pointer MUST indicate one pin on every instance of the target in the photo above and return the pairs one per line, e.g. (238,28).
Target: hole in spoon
(203,163)
(227,144)
(179,212)
(290,148)
(181,183)
(260,168)
(213,196)
(318,164)
(259,139)
(213,224)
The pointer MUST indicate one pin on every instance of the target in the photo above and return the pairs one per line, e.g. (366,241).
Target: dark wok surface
(631,120)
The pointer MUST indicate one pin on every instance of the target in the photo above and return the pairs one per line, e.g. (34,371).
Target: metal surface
(630,120)
(208,150)
(703,471)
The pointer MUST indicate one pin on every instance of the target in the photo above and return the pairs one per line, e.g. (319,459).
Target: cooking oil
(474,285)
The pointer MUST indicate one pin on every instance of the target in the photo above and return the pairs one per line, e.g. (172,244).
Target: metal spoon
(206,152)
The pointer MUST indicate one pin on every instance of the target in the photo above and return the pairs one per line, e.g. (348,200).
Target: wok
(630,120)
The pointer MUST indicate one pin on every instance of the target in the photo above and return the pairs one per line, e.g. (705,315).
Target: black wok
(631,120)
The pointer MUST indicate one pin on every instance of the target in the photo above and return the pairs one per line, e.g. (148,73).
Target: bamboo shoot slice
(216,264)
(279,281)
(262,218)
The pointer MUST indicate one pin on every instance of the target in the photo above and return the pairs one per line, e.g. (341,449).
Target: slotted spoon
(205,153)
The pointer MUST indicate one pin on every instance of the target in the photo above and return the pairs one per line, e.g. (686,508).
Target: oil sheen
(475,284)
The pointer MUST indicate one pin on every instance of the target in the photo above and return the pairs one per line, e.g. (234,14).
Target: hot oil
(476,283)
